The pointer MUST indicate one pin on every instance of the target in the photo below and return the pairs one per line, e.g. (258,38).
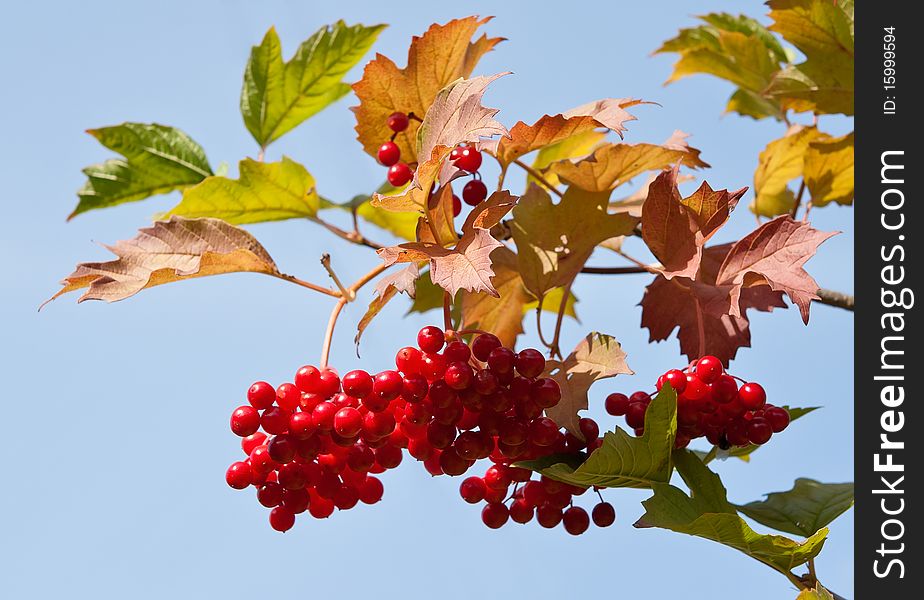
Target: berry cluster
(710,404)
(465,157)
(447,403)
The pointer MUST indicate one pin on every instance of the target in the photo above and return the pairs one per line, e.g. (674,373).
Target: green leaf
(624,460)
(751,104)
(278,96)
(264,192)
(707,513)
(803,510)
(157,159)
(823,31)
(748,26)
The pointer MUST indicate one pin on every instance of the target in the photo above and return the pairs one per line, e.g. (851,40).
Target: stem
(710,456)
(700,327)
(325,262)
(561,317)
(614,270)
(537,175)
(798,202)
(306,284)
(539,323)
(811,568)
(351,236)
(501,177)
(447,311)
(329,335)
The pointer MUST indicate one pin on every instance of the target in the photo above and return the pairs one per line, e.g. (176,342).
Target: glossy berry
(472,490)
(548,515)
(677,379)
(474,192)
(530,362)
(466,158)
(239,475)
(752,396)
(288,396)
(777,417)
(245,420)
(389,154)
(494,515)
(617,404)
(371,490)
(576,520)
(431,339)
(709,369)
(281,519)
(357,383)
(456,206)
(545,392)
(483,345)
(261,395)
(270,495)
(603,514)
(399,174)
(589,429)
(348,422)
(398,121)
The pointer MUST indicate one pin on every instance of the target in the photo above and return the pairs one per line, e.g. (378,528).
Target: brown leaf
(465,267)
(443,54)
(489,212)
(773,254)
(415,196)
(457,116)
(438,226)
(612,165)
(170,251)
(555,240)
(710,208)
(608,113)
(386,288)
(597,356)
(502,315)
(669,229)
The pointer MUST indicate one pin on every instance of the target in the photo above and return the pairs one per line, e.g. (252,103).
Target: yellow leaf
(170,251)
(741,59)
(829,170)
(264,192)
(437,58)
(576,146)
(780,162)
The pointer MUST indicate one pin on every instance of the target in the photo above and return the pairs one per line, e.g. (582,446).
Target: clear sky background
(115,416)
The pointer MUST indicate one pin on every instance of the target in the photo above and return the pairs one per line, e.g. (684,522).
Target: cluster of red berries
(710,404)
(465,157)
(447,403)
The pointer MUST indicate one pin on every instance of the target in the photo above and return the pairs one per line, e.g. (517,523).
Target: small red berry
(545,392)
(752,396)
(348,422)
(239,475)
(389,154)
(270,495)
(371,490)
(543,431)
(635,415)
(777,417)
(301,425)
(494,515)
(261,395)
(431,339)
(257,439)
(398,121)
(288,396)
(709,369)
(676,378)
(456,206)
(530,363)
(604,514)
(484,344)
(589,429)
(759,431)
(521,511)
(459,375)
(724,389)
(617,404)
(399,174)
(472,490)
(548,515)
(245,420)
(474,192)
(281,519)
(576,520)
(466,158)
(308,379)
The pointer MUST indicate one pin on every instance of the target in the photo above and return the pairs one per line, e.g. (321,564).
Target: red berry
(288,396)
(433,366)
(576,520)
(543,432)
(724,389)
(399,174)
(617,404)
(281,449)
(348,422)
(604,514)
(245,420)
(270,495)
(545,392)
(456,206)
(430,339)
(497,477)
(377,425)
(530,363)
(475,191)
(521,511)
(387,386)
(759,431)
(484,344)
(494,515)
(388,456)
(357,384)
(466,158)
(239,475)
(589,429)
(408,360)
(452,464)
(281,519)
(371,490)
(398,121)
(301,425)
(308,379)
(296,500)
(323,416)
(457,351)
(696,389)
(676,378)
(752,396)
(472,490)
(292,476)
(459,375)
(548,515)
(635,415)
(709,369)
(777,417)
(389,153)
(257,439)
(321,507)
(261,395)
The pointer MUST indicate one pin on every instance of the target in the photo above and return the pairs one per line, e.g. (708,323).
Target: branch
(307,284)
(351,236)
(538,176)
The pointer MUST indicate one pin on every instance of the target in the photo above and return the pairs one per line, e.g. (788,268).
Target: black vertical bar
(888,222)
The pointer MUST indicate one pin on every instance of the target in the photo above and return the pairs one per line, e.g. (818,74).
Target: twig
(447,311)
(501,177)
(798,202)
(329,334)
(700,327)
(554,350)
(539,323)
(347,295)
(306,284)
(350,236)
(614,270)
(537,175)
(344,292)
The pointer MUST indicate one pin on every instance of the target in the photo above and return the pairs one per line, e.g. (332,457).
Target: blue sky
(117,438)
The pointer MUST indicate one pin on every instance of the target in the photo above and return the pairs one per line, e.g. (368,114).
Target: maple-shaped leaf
(443,54)
(555,240)
(612,165)
(823,31)
(415,196)
(489,212)
(465,267)
(170,251)
(609,113)
(263,192)
(277,96)
(598,356)
(773,254)
(576,147)
(779,163)
(502,315)
(675,228)
(386,288)
(457,116)
(437,226)
(828,170)
(158,159)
